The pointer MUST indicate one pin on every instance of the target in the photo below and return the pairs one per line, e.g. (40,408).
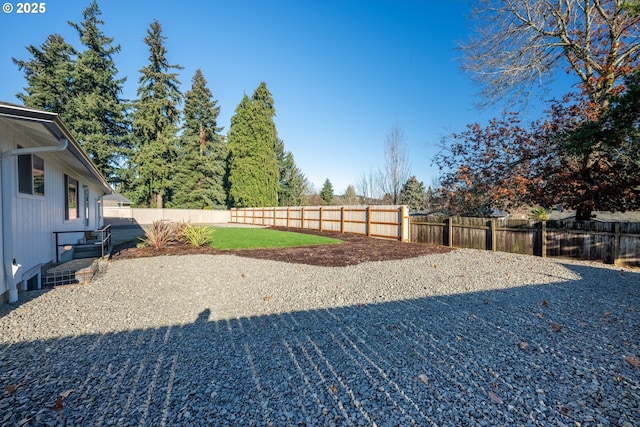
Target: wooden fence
(388,222)
(609,242)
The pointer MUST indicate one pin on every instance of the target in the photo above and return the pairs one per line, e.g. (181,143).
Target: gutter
(8,260)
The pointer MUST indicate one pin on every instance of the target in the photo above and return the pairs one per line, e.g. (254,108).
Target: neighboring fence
(609,242)
(389,222)
(118,216)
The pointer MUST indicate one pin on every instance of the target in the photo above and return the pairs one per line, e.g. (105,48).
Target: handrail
(105,239)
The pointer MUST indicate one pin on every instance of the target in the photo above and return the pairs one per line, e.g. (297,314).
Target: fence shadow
(527,355)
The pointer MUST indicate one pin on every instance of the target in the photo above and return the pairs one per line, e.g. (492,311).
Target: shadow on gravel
(536,355)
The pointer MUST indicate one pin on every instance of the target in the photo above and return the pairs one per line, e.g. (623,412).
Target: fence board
(389,222)
(608,242)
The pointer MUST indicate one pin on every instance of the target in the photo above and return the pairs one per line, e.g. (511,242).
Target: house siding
(38,217)
(34,219)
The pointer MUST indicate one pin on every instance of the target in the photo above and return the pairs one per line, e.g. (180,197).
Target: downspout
(7,210)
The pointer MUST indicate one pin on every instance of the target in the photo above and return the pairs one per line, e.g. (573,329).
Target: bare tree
(369,187)
(396,163)
(519,45)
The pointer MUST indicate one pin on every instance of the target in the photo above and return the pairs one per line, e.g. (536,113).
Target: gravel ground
(466,338)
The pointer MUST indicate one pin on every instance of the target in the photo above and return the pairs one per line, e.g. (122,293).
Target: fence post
(543,239)
(404,219)
(288,210)
(492,229)
(617,234)
(368,214)
(320,222)
(341,219)
(302,217)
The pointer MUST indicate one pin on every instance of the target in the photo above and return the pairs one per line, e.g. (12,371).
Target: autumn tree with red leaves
(563,159)
(520,46)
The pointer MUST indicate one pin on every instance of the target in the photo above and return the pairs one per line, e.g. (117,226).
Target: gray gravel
(467,338)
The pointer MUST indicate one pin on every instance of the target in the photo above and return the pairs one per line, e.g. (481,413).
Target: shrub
(160,234)
(179,231)
(539,214)
(197,235)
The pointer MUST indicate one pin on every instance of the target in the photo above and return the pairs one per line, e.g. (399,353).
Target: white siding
(6,136)
(35,218)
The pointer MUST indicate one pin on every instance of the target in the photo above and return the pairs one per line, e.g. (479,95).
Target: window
(71,206)
(30,174)
(86,205)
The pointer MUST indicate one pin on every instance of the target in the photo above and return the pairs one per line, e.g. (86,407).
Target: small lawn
(260,238)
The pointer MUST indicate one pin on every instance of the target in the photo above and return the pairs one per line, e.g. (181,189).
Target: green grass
(260,238)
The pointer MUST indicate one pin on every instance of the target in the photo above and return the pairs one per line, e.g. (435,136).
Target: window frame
(71,213)
(31,175)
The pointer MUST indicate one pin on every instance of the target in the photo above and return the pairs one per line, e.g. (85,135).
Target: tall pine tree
(155,122)
(293,185)
(49,74)
(201,153)
(97,113)
(253,168)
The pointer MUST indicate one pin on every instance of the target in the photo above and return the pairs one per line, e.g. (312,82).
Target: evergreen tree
(49,75)
(326,194)
(413,194)
(155,122)
(201,153)
(97,113)
(293,184)
(253,167)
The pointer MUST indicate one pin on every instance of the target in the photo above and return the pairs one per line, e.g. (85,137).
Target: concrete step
(71,272)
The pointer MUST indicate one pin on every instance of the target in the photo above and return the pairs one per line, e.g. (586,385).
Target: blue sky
(341,72)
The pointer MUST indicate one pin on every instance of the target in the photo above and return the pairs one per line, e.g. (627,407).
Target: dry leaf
(523,345)
(435,265)
(10,389)
(545,303)
(633,361)
(243,275)
(267,298)
(495,398)
(423,378)
(620,378)
(556,327)
(540,315)
(334,389)
(58,406)
(607,313)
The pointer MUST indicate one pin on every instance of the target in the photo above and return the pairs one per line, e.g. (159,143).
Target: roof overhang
(46,129)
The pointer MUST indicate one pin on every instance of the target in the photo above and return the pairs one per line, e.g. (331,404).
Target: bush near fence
(609,242)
